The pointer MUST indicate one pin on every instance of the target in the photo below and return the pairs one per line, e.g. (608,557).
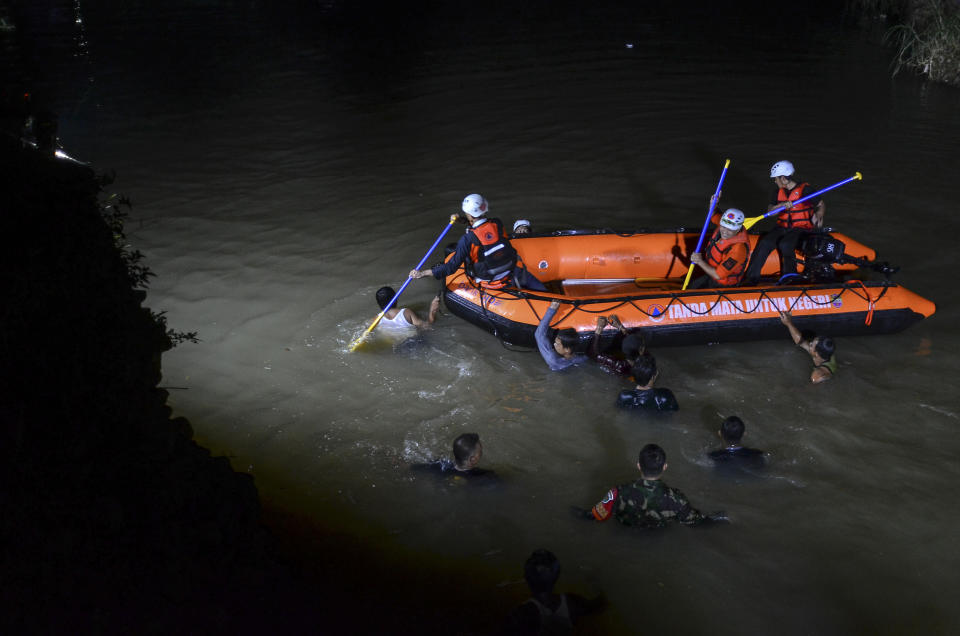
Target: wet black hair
(732,429)
(644,369)
(384,296)
(568,337)
(633,345)
(652,460)
(465,446)
(825,347)
(541,571)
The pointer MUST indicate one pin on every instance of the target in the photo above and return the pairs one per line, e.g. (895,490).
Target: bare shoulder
(409,315)
(819,375)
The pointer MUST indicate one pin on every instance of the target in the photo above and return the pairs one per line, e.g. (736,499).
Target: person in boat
(485,251)
(648,502)
(645,373)
(727,253)
(547,612)
(467,452)
(731,432)
(632,346)
(559,352)
(521,227)
(821,348)
(792,224)
(397,319)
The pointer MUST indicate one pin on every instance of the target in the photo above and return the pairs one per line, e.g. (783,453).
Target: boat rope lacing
(486,314)
(855,287)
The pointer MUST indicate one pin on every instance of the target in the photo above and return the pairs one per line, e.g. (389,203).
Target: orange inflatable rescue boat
(638,276)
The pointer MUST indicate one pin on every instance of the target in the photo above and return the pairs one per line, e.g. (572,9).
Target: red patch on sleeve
(601,511)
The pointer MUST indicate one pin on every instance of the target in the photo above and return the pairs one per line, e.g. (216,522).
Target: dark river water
(285,160)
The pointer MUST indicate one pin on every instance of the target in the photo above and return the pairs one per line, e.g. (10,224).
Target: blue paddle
(706,223)
(748,223)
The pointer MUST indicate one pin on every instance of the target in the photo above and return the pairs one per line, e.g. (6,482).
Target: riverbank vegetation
(925,33)
(113,520)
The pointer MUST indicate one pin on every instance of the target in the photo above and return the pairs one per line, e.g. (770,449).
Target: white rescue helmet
(521,223)
(475,205)
(781,169)
(732,219)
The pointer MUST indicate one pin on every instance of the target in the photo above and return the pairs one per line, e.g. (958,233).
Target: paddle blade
(363,336)
(356,343)
(749,223)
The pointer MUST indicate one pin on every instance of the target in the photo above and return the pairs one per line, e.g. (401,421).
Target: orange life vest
(492,258)
(799,216)
(717,254)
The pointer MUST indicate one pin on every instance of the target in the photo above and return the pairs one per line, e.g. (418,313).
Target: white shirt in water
(397,325)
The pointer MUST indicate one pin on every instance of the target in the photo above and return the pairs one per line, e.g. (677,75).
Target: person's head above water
(633,346)
(565,342)
(652,461)
(824,347)
(521,226)
(644,370)
(731,431)
(467,451)
(541,571)
(384,296)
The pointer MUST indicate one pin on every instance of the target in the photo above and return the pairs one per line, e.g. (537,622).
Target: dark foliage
(925,34)
(112,519)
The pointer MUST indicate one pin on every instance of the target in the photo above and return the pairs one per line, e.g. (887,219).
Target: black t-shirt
(649,400)
(448,468)
(739,456)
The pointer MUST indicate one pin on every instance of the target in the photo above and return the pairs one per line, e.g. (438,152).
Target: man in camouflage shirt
(648,502)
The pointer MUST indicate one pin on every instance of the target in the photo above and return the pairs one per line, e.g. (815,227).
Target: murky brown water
(282,174)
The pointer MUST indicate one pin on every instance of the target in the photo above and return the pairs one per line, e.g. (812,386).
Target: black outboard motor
(821,252)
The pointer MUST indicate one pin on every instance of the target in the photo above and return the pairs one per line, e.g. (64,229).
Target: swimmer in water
(631,347)
(731,432)
(547,612)
(467,451)
(820,348)
(558,352)
(403,318)
(648,502)
(645,373)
